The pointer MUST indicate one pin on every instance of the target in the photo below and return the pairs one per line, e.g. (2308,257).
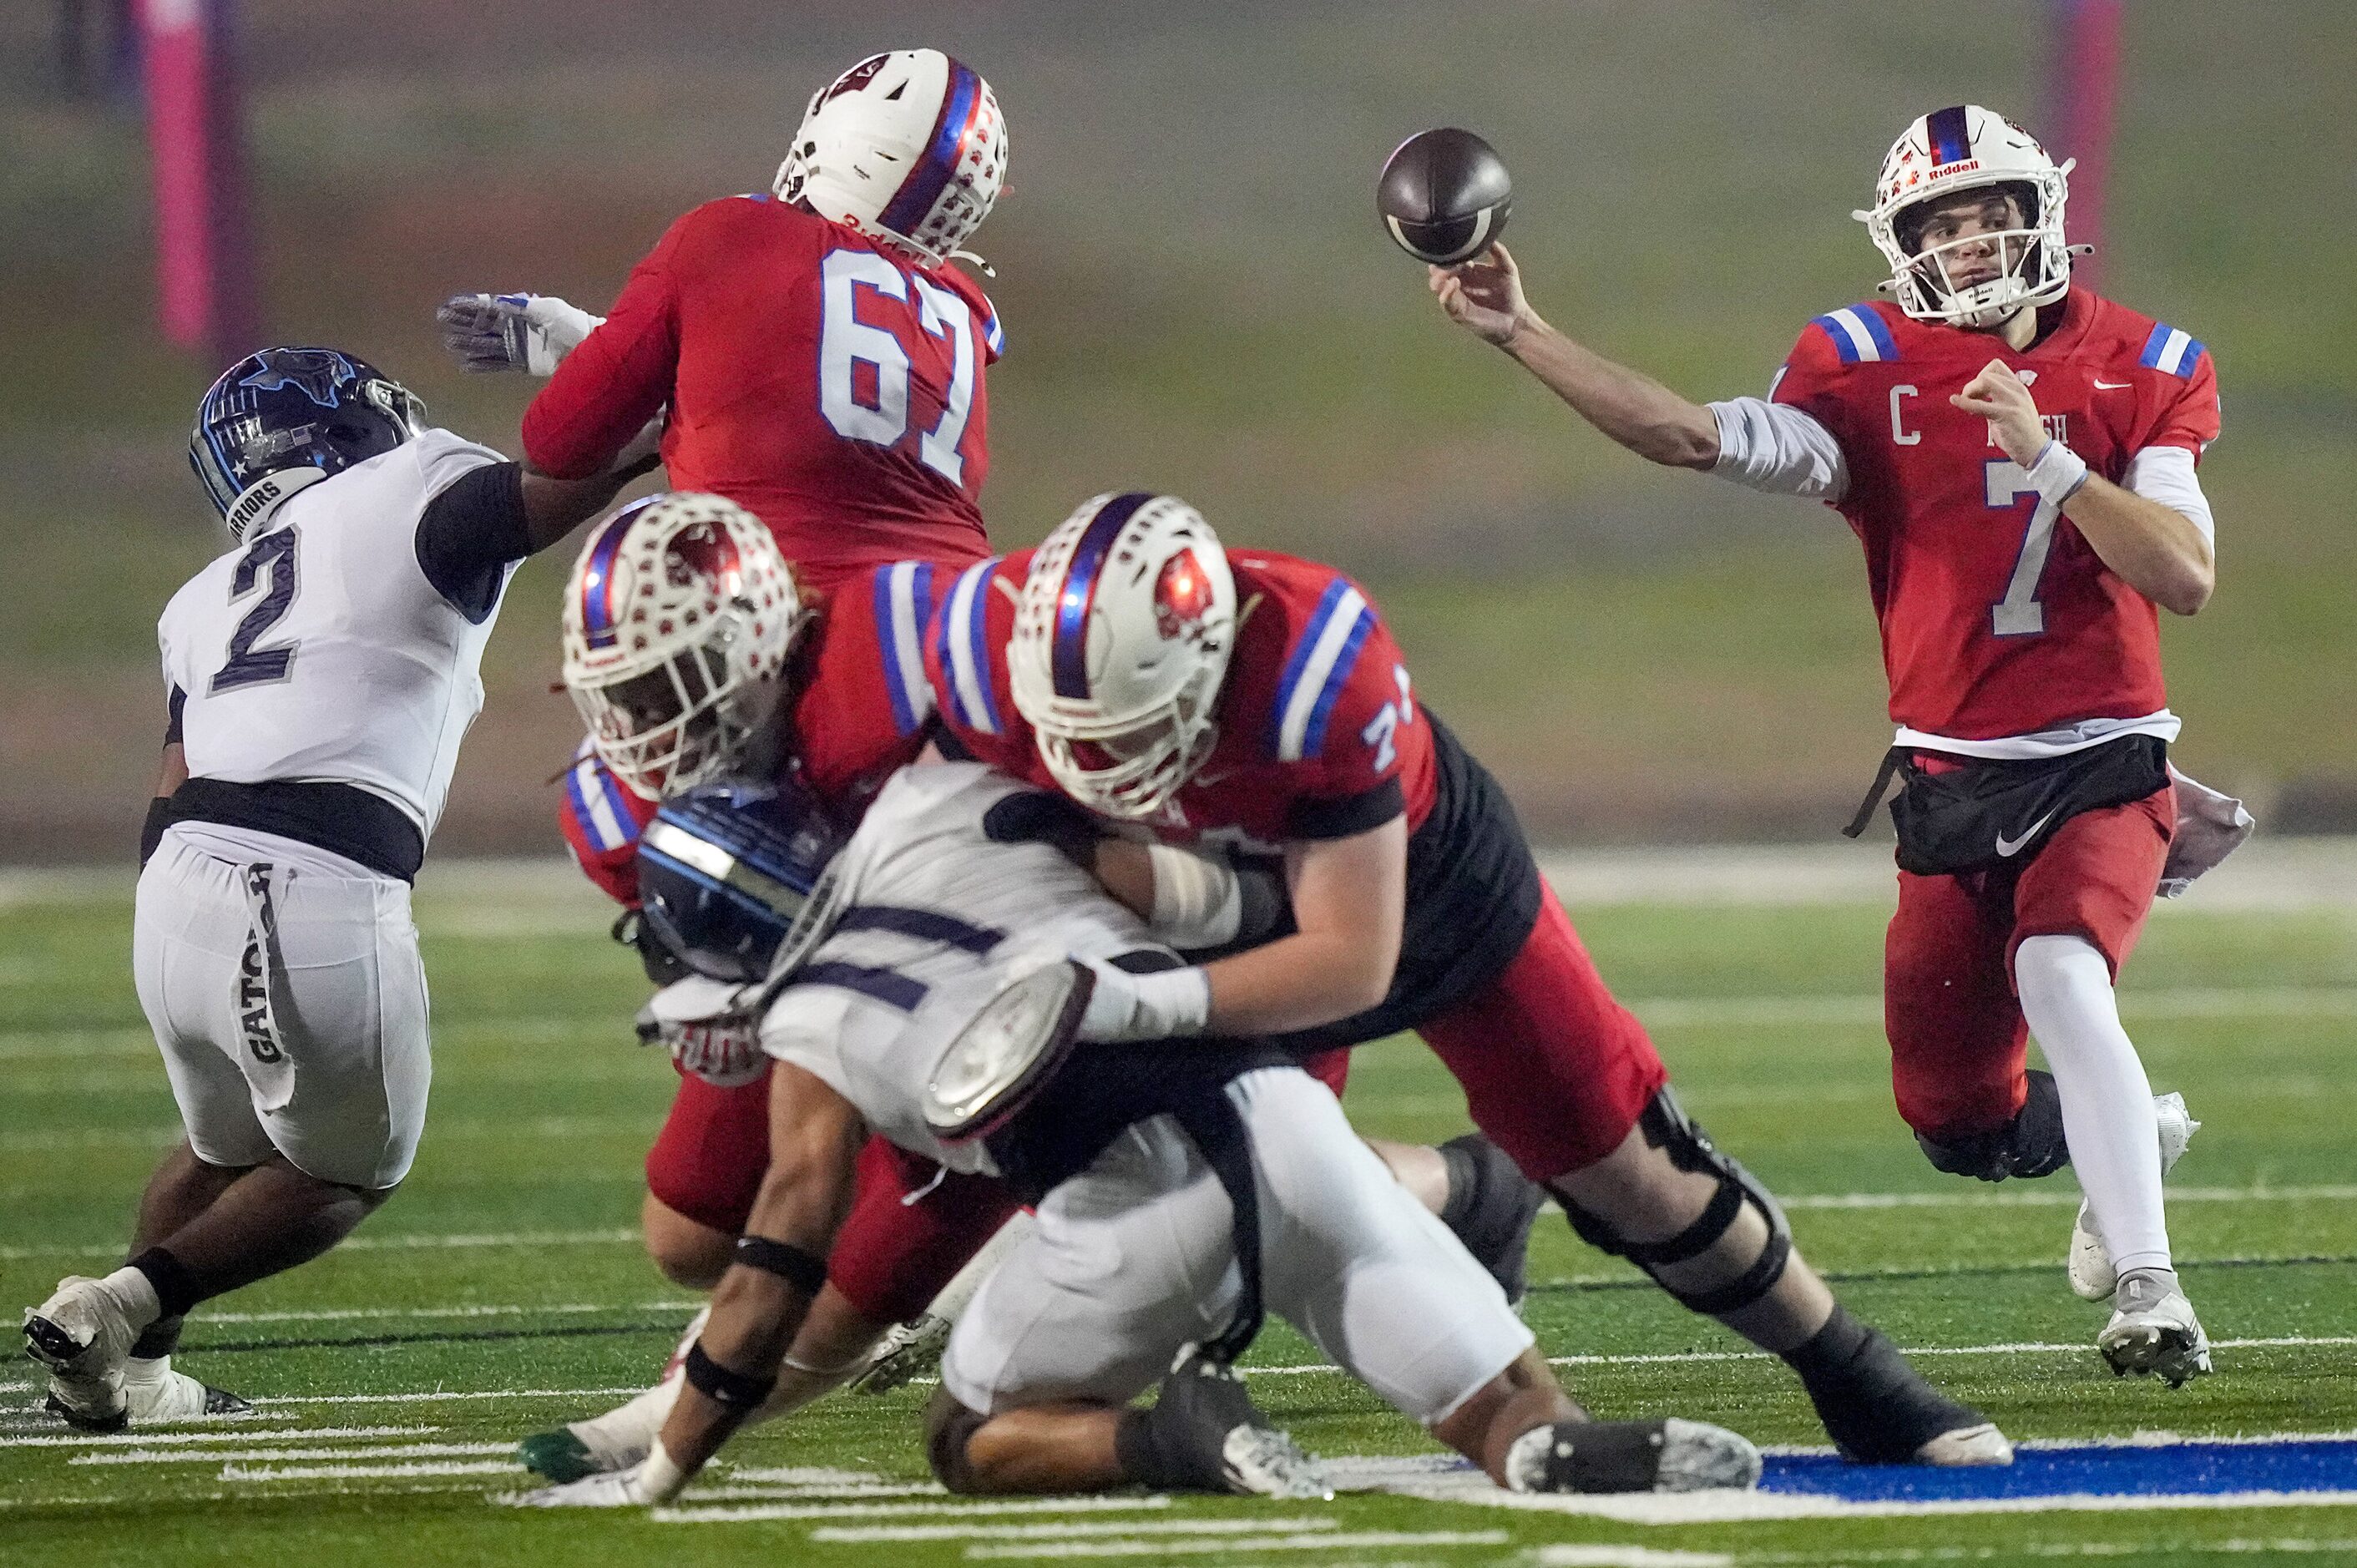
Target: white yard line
(682,1513)
(245,1433)
(2013,1347)
(346,1451)
(852,1535)
(365,1242)
(367,1472)
(431,1396)
(1342,1541)
(1567,1556)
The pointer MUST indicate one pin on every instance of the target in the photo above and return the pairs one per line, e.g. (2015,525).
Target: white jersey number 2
(2019,613)
(845,342)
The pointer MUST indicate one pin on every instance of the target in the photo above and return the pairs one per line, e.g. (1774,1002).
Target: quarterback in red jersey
(2018,457)
(1256,701)
(820,362)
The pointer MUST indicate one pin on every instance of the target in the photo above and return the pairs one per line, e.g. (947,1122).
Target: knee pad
(948,1427)
(2030,1145)
(1667,1127)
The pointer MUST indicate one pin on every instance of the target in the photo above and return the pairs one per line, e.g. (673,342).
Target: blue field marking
(2125,1470)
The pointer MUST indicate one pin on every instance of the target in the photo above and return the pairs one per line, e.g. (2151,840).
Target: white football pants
(1135,1257)
(289,1004)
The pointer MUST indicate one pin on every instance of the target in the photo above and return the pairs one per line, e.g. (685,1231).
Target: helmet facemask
(680,621)
(2019,250)
(1133,771)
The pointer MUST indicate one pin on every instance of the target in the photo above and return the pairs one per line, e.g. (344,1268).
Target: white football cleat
(82,1335)
(1967,1446)
(617,1490)
(2092,1278)
(622,1437)
(909,1351)
(156,1393)
(2154,1330)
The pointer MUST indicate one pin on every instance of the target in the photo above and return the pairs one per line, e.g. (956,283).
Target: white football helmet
(679,619)
(1958,149)
(907,147)
(1122,638)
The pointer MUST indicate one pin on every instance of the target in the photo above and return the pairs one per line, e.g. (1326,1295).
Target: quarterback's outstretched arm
(1485,296)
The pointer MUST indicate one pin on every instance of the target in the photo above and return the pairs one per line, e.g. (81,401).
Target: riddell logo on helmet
(1182,595)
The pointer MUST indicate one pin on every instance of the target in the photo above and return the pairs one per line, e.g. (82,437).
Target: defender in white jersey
(320,674)
(1155,1167)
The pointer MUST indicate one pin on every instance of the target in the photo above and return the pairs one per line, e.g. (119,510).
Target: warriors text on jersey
(319,650)
(829,384)
(1997,617)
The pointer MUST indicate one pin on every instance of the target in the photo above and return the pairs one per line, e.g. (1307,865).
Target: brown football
(1444,196)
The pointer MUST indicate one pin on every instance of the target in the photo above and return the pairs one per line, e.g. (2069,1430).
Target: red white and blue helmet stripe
(1076,595)
(904,603)
(1318,670)
(598,609)
(1951,137)
(963,644)
(953,131)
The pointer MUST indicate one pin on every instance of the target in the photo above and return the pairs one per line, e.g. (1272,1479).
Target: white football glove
(701,1024)
(528,332)
(654,1479)
(1126,1007)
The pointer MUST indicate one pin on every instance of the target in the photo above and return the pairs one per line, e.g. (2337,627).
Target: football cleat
(1214,1438)
(1967,1446)
(2093,1277)
(82,1336)
(156,1393)
(1494,1219)
(1595,1457)
(909,1351)
(615,1489)
(2153,1329)
(622,1437)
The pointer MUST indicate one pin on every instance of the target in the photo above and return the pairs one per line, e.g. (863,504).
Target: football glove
(1124,1007)
(654,1479)
(528,332)
(702,1024)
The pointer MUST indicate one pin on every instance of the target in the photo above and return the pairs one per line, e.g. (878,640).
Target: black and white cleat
(1670,1456)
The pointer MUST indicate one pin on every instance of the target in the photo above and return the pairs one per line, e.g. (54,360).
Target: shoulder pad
(2171,349)
(1325,650)
(1858,333)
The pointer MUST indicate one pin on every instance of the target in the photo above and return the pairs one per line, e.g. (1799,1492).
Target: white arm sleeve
(2165,474)
(1775,447)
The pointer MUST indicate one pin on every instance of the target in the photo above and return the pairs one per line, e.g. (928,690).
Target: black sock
(1140,1455)
(160,1337)
(177,1291)
(1876,1408)
(1831,1350)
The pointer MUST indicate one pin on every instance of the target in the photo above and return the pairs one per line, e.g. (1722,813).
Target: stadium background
(1197,298)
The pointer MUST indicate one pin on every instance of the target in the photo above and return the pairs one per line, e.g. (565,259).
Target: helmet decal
(1080,592)
(1951,142)
(313,372)
(1183,594)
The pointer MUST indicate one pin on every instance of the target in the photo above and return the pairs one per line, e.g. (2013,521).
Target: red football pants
(1554,1069)
(1958,1043)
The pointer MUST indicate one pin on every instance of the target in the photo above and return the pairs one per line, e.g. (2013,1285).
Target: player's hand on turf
(2002,398)
(700,1022)
(1484,296)
(528,332)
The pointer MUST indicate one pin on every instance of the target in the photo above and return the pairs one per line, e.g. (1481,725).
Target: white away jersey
(317,651)
(933,918)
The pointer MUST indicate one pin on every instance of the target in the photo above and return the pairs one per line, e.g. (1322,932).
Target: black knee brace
(1666,1127)
(2031,1144)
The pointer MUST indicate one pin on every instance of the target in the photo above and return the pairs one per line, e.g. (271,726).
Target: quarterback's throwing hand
(2000,396)
(1484,296)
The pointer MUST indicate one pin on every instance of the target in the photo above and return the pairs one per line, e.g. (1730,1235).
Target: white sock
(137,1295)
(2107,1115)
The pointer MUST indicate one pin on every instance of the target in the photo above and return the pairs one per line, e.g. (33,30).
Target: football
(1444,196)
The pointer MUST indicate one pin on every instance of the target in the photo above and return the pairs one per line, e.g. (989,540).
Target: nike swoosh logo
(2007,848)
(2103,385)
